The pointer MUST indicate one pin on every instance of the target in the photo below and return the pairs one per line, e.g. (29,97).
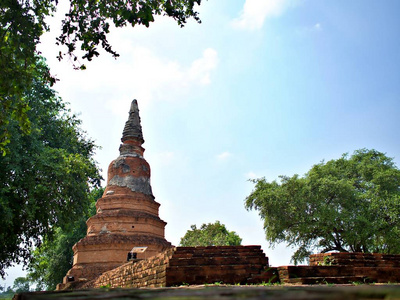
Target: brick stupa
(127,215)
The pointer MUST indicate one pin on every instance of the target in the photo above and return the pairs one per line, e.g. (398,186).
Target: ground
(211,292)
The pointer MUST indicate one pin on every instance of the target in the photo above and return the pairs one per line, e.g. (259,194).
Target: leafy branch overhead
(84,29)
(88,22)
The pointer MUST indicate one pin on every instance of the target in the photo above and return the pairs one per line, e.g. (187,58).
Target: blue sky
(260,88)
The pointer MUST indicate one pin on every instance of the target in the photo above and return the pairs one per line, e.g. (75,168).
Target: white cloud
(224,156)
(151,78)
(251,175)
(310,30)
(201,68)
(139,73)
(317,27)
(255,12)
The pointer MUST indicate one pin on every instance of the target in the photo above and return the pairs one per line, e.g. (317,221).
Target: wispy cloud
(252,175)
(154,78)
(144,75)
(317,27)
(310,30)
(201,68)
(255,12)
(224,156)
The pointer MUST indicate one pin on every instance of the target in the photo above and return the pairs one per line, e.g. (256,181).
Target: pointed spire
(133,129)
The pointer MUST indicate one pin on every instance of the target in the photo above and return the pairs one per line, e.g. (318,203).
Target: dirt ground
(211,292)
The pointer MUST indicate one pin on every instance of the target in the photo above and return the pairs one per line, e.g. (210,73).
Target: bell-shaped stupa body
(127,215)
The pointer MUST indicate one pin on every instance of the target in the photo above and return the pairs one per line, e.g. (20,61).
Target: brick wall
(143,273)
(344,268)
(227,264)
(355,259)
(245,265)
(191,265)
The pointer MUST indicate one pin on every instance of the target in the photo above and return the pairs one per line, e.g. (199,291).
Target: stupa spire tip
(133,129)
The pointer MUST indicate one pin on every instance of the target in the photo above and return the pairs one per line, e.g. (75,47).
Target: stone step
(249,269)
(232,274)
(219,260)
(210,250)
(359,263)
(226,248)
(358,255)
(356,259)
(374,274)
(268,275)
(240,253)
(189,255)
(314,271)
(328,280)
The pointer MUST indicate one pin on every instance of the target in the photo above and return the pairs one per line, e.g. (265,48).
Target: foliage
(87,22)
(84,28)
(45,178)
(21,284)
(53,258)
(21,25)
(349,204)
(211,234)
(7,293)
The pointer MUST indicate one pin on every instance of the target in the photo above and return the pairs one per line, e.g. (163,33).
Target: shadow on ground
(228,292)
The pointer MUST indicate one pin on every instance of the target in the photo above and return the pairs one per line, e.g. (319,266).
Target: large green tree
(53,258)
(351,204)
(211,234)
(21,285)
(46,177)
(84,29)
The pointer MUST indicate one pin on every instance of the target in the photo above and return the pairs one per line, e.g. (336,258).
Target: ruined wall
(356,259)
(144,273)
(344,268)
(190,265)
(227,264)
(245,265)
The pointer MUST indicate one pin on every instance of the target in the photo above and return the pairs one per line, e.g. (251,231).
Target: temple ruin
(127,217)
(127,214)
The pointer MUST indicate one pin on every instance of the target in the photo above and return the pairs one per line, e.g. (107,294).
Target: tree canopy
(84,29)
(211,234)
(351,204)
(54,257)
(21,285)
(46,176)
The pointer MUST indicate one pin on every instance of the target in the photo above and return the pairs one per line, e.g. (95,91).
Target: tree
(85,27)
(211,234)
(21,285)
(46,177)
(53,258)
(20,28)
(351,204)
(7,293)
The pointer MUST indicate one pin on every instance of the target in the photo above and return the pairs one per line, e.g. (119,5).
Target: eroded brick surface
(191,265)
(127,214)
(344,268)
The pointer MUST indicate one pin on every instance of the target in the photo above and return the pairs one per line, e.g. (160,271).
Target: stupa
(127,214)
